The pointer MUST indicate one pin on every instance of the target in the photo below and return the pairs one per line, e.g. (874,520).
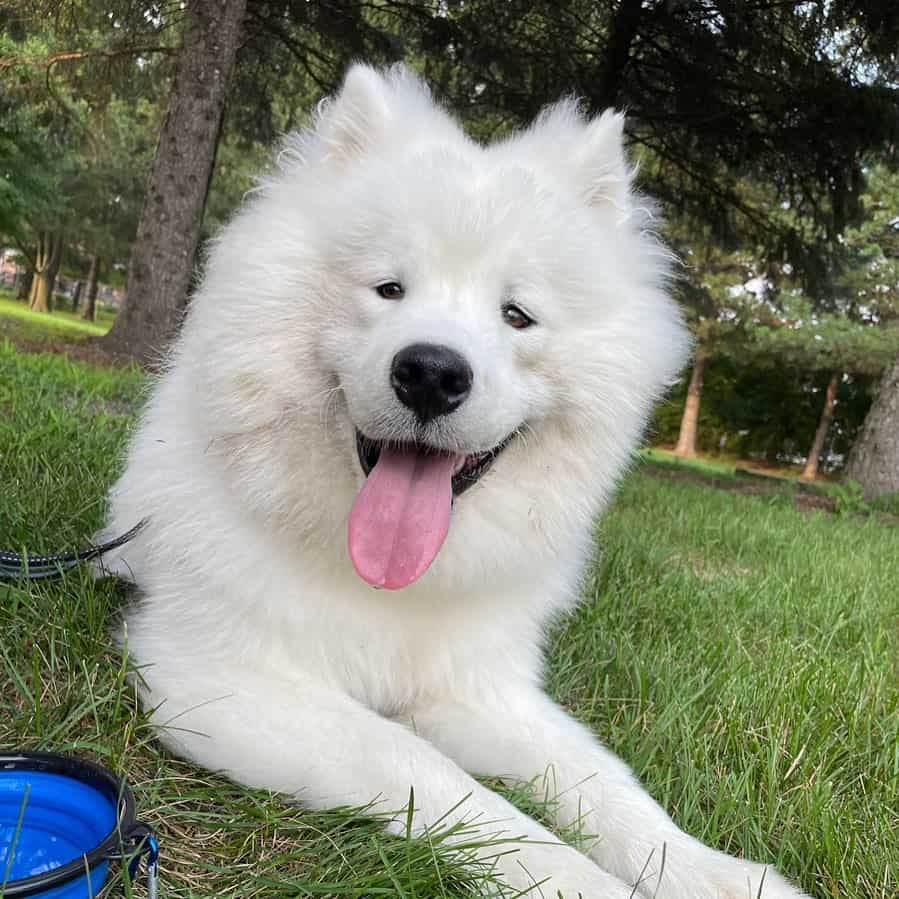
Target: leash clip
(143,839)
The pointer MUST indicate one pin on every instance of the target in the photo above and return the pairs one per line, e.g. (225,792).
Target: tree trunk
(814,454)
(52,273)
(46,265)
(39,301)
(168,232)
(622,32)
(76,295)
(689,424)
(874,459)
(90,301)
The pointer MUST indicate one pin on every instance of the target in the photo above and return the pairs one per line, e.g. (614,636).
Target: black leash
(15,567)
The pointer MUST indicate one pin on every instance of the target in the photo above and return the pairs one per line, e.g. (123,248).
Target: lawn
(37,325)
(738,652)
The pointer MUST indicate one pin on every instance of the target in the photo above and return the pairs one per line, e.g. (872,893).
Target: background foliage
(767,132)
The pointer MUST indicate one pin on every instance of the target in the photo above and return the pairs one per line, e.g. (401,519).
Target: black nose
(430,379)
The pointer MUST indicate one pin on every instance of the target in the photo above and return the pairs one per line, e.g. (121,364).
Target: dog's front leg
(313,742)
(515,732)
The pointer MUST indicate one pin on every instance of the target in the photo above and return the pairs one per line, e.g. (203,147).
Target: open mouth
(467,470)
(401,515)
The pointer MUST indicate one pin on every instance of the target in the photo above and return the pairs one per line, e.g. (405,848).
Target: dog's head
(423,317)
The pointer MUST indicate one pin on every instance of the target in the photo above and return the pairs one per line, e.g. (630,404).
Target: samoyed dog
(414,371)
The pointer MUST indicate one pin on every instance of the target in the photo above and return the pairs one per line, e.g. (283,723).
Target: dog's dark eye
(391,290)
(516,317)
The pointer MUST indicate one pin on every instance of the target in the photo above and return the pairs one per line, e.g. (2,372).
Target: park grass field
(40,325)
(737,651)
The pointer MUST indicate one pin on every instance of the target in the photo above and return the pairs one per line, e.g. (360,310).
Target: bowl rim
(110,847)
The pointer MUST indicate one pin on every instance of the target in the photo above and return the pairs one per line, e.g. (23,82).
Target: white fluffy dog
(415,362)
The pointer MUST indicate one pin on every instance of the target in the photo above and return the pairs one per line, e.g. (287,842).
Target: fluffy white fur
(264,654)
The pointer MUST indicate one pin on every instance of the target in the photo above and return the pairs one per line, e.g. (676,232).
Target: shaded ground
(62,342)
(826,496)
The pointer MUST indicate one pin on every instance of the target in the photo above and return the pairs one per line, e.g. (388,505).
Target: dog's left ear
(588,154)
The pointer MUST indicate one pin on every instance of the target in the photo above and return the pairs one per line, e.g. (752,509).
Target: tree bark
(90,298)
(39,301)
(76,295)
(168,232)
(874,458)
(689,424)
(46,266)
(810,471)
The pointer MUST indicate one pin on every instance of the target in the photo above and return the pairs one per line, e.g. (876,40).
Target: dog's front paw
(714,875)
(552,870)
(746,880)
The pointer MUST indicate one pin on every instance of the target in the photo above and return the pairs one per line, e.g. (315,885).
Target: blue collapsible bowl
(62,820)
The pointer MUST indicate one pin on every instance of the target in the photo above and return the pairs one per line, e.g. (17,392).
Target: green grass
(42,325)
(888,503)
(738,652)
(714,468)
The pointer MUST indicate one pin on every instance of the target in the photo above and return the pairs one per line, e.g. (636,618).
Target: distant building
(10,268)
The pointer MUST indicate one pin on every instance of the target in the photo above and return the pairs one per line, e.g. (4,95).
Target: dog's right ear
(357,116)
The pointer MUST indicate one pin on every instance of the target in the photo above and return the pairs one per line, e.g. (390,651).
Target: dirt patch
(814,501)
(83,349)
(734,485)
(805,499)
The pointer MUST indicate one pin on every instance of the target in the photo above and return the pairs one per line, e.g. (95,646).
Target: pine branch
(47,62)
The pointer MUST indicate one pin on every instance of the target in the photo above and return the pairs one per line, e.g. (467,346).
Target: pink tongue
(401,516)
